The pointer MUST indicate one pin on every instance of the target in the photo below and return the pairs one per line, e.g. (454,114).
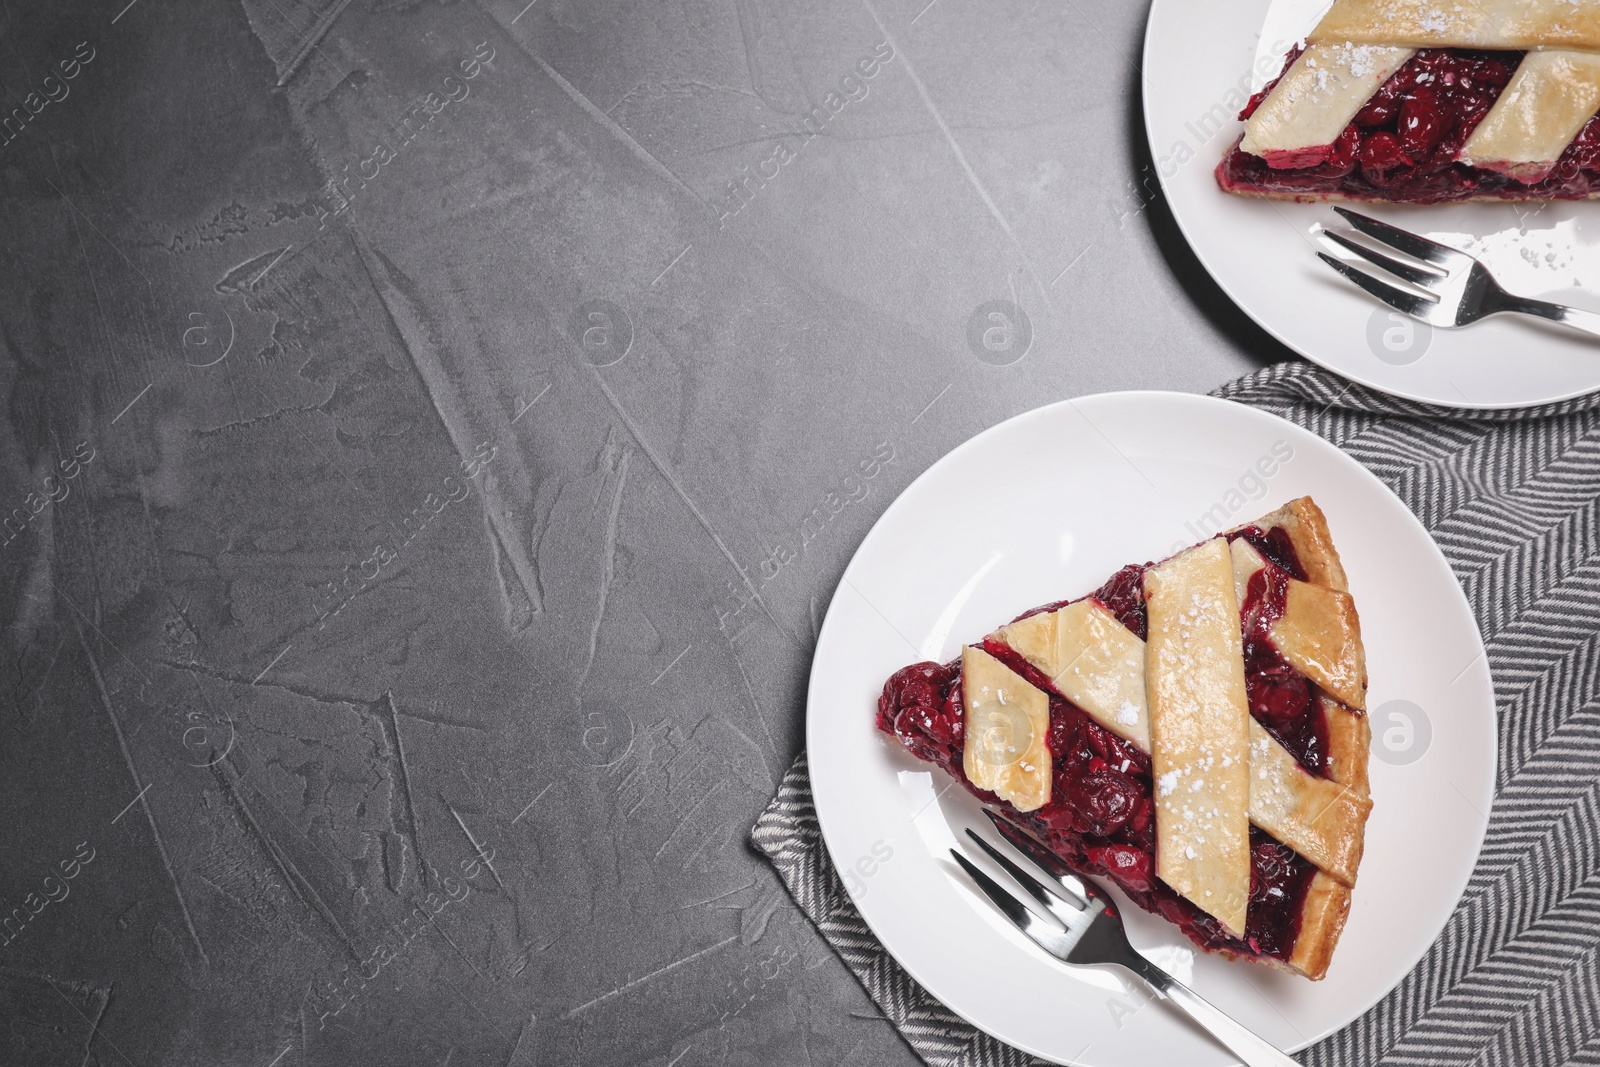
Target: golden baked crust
(1516,25)
(1320,635)
(1149,693)
(1319,95)
(1347,731)
(1349,737)
(1322,919)
(1360,43)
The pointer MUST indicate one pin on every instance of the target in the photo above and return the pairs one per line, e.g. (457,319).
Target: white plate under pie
(1047,506)
(1262,254)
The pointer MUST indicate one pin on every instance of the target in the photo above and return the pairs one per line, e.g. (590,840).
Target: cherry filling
(1405,143)
(1123,596)
(1101,814)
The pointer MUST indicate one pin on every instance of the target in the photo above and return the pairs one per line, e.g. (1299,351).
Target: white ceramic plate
(1046,506)
(1198,71)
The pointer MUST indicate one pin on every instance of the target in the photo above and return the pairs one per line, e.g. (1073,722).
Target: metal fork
(1091,933)
(1455,289)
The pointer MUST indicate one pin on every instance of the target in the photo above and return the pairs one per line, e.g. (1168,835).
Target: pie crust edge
(1322,918)
(1319,634)
(1349,733)
(1336,197)
(1349,743)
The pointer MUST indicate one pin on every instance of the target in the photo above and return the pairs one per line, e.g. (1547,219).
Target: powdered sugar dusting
(1360,61)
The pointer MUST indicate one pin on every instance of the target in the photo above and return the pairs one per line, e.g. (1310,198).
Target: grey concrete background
(431,436)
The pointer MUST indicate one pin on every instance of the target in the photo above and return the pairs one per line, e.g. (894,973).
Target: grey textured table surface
(432,434)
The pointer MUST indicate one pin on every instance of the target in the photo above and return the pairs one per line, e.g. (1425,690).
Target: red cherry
(1585,148)
(954,713)
(1103,801)
(1272,868)
(1131,868)
(1342,158)
(1421,125)
(926,719)
(919,683)
(1381,109)
(1381,151)
(1279,700)
(919,692)
(1255,101)
(1123,596)
(1492,73)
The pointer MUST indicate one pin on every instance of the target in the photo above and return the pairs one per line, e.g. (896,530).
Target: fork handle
(1254,1051)
(1578,319)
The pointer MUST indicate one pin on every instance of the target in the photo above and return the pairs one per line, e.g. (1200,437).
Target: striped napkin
(1513,499)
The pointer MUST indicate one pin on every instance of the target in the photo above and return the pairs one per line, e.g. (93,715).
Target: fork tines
(1432,273)
(1008,904)
(1057,940)
(1040,856)
(1418,276)
(1414,245)
(1051,897)
(1396,297)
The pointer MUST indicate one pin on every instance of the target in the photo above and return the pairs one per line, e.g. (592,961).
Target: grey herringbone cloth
(1512,498)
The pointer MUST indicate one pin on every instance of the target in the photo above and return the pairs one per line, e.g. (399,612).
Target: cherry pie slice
(1193,730)
(1426,102)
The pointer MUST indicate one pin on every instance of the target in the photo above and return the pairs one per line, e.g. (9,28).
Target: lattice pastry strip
(1515,25)
(1547,104)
